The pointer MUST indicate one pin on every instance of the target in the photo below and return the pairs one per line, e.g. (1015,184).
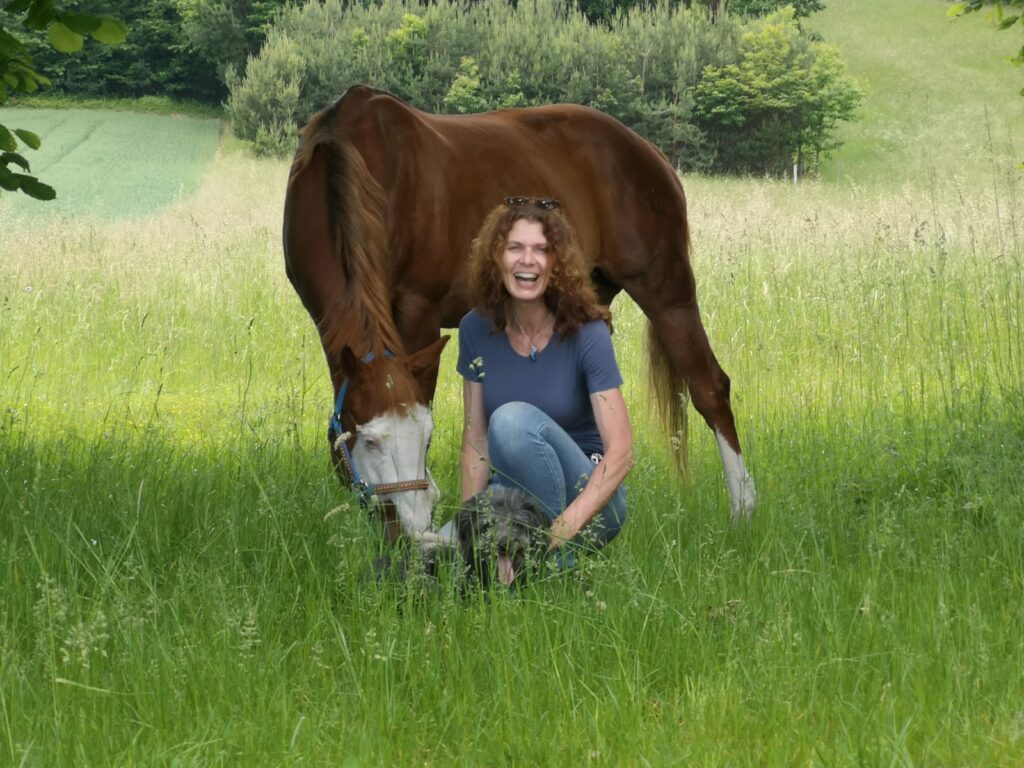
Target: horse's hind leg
(689,361)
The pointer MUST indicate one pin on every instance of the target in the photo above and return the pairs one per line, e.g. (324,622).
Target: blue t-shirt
(559,382)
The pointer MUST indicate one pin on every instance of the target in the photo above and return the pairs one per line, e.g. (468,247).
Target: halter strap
(365,490)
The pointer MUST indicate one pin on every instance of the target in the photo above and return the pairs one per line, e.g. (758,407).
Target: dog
(502,532)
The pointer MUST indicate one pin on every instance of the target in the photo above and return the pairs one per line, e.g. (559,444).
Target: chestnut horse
(383,201)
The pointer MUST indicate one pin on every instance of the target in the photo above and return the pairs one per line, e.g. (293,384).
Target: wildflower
(344,507)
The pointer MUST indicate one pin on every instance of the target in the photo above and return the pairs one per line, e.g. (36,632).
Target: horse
(383,201)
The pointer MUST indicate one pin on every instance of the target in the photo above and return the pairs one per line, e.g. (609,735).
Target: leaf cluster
(66,31)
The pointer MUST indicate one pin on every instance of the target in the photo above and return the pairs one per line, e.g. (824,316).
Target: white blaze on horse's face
(392,447)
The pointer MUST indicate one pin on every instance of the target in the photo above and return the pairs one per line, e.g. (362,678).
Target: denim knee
(512,417)
(509,425)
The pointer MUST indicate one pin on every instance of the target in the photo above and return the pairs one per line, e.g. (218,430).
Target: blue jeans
(530,451)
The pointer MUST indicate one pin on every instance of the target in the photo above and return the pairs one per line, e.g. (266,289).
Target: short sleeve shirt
(559,382)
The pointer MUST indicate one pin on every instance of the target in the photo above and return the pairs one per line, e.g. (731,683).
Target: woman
(542,402)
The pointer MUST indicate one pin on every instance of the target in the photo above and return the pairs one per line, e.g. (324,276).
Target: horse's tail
(356,205)
(671,394)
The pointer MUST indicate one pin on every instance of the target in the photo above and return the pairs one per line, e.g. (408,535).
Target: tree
(779,104)
(155,60)
(227,32)
(66,31)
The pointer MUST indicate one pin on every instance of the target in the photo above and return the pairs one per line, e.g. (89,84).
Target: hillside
(935,89)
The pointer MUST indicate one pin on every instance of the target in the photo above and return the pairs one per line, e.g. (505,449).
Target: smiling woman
(542,405)
(156,160)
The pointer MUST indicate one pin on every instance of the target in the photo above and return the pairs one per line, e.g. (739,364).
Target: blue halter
(364,490)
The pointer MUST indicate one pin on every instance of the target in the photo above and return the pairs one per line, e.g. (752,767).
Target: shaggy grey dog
(502,532)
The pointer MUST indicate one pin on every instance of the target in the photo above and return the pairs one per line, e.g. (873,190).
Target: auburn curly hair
(570,295)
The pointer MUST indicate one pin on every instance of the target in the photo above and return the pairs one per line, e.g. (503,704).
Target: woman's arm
(617,437)
(474,459)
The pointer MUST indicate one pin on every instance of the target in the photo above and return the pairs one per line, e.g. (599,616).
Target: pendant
(533,353)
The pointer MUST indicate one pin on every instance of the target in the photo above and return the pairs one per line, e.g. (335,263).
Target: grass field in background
(184,582)
(109,164)
(941,95)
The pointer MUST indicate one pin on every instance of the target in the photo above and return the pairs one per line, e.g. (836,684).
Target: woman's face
(526,261)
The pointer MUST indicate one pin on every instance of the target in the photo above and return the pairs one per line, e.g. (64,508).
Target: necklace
(527,336)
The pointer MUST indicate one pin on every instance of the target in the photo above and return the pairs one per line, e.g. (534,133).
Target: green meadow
(109,164)
(184,581)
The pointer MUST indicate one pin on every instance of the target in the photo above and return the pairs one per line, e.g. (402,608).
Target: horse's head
(382,429)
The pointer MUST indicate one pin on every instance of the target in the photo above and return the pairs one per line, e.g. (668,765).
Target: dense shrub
(644,68)
(778,104)
(265,110)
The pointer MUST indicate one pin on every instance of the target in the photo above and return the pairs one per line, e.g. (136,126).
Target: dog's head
(502,531)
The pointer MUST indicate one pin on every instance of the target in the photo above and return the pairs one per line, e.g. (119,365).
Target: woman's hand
(617,437)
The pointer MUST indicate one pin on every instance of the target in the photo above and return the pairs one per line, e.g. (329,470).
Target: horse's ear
(424,365)
(349,362)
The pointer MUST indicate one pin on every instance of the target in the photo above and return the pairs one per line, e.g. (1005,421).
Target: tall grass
(185,582)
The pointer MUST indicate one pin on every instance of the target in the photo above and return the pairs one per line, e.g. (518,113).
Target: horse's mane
(362,318)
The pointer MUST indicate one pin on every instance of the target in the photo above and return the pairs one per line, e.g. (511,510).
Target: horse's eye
(370,444)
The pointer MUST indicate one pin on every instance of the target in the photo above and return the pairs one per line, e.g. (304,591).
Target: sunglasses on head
(544,203)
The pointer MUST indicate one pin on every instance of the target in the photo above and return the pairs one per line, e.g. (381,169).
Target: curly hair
(570,295)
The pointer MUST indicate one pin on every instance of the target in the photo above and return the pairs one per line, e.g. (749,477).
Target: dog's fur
(502,532)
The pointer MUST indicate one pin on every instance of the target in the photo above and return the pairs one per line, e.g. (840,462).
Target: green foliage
(155,59)
(264,109)
(155,105)
(779,103)
(642,68)
(489,55)
(65,31)
(764,7)
(464,94)
(226,32)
